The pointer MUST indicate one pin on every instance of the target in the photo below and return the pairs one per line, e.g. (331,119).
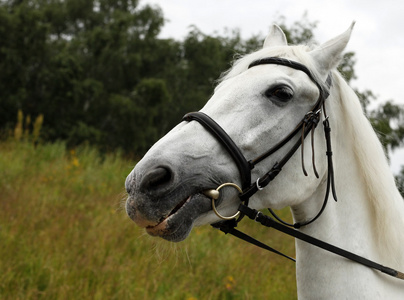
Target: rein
(306,125)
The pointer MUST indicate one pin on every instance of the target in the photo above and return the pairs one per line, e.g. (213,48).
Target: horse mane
(386,203)
(385,200)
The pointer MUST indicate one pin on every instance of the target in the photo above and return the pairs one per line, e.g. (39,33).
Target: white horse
(258,107)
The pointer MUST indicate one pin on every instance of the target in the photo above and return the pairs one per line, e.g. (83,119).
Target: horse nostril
(156,179)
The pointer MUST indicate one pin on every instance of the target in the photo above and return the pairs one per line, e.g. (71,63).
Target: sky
(377,39)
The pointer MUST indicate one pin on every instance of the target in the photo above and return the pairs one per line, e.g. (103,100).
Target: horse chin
(177,225)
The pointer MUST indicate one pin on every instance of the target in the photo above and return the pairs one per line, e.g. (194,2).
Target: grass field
(64,235)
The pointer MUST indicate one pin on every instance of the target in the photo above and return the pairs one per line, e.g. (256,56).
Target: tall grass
(65,235)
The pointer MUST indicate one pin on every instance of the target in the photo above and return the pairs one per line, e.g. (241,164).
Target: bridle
(304,127)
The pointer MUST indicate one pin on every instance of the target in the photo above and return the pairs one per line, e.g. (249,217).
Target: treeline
(98,73)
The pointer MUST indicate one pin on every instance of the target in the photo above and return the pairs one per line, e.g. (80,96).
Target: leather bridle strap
(229,227)
(269,222)
(207,122)
(291,64)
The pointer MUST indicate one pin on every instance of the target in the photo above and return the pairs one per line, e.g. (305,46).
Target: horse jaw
(328,55)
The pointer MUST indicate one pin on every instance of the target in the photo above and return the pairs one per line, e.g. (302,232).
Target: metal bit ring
(213,201)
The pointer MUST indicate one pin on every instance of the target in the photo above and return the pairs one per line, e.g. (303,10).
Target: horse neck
(357,222)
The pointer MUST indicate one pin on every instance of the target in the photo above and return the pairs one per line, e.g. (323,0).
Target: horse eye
(280,93)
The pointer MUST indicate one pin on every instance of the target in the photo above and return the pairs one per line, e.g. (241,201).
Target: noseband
(305,126)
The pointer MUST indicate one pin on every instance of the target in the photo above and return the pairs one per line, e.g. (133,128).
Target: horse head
(257,105)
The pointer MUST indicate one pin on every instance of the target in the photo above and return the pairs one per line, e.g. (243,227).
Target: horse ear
(328,55)
(276,37)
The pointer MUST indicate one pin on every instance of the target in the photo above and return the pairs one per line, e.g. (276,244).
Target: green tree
(138,120)
(73,61)
(388,121)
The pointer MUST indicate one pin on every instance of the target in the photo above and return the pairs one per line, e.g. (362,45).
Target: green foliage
(346,67)
(99,75)
(65,235)
(137,118)
(71,61)
(388,121)
(400,181)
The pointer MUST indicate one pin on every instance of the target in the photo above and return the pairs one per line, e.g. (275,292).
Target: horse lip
(165,228)
(164,220)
